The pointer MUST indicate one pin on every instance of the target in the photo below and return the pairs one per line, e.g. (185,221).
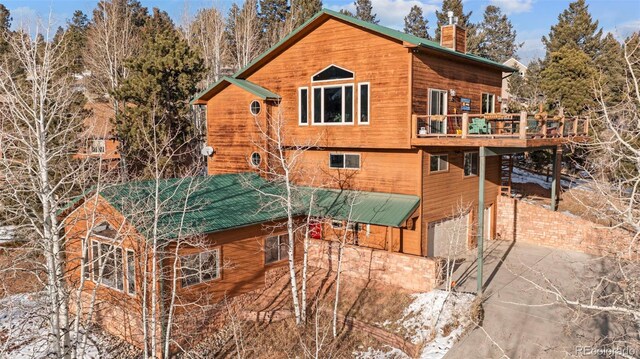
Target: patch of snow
(520,175)
(24,328)
(437,319)
(7,234)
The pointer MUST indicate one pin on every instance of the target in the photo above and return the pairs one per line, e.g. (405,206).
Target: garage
(448,237)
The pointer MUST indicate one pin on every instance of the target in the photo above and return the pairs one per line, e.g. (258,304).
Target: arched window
(332,73)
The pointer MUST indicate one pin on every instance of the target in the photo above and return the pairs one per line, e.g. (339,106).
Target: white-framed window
(333,104)
(470,164)
(98,146)
(364,105)
(255,107)
(276,248)
(437,107)
(255,159)
(107,265)
(332,73)
(131,272)
(336,224)
(200,267)
(344,160)
(438,163)
(488,103)
(303,105)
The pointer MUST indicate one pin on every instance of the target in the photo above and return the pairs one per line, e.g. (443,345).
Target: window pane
(333,105)
(131,273)
(284,247)
(109,265)
(433,163)
(336,160)
(190,266)
(317,105)
(118,269)
(444,162)
(436,105)
(271,249)
(364,103)
(348,104)
(96,261)
(352,161)
(474,163)
(85,263)
(209,265)
(303,106)
(333,73)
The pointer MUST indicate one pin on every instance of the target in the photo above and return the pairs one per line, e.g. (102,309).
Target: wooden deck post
(480,230)
(523,125)
(586,126)
(414,125)
(575,126)
(465,125)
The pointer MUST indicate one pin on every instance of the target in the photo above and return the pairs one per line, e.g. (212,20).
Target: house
(522,71)
(98,135)
(409,127)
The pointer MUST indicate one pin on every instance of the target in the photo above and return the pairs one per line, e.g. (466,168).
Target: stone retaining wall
(530,223)
(413,273)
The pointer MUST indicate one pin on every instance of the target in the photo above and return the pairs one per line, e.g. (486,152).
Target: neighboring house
(522,70)
(100,140)
(407,125)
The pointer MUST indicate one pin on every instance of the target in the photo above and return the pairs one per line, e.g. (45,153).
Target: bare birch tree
(206,33)
(244,33)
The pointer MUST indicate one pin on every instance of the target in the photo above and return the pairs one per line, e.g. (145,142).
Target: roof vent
(450,15)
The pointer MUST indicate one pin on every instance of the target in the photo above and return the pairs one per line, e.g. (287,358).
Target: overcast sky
(531,18)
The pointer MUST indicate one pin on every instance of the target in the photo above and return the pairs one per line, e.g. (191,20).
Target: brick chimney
(453,36)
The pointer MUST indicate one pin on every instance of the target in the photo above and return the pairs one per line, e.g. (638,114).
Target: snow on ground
(437,319)
(7,234)
(23,328)
(520,175)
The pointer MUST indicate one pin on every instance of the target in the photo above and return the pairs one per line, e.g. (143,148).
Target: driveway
(519,320)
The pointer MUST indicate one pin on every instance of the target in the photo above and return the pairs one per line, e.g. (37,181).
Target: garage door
(448,236)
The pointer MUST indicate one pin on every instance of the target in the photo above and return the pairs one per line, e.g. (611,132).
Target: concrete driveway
(518,317)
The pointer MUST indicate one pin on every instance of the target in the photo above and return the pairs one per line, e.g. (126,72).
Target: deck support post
(555,168)
(480,230)
(523,125)
(465,125)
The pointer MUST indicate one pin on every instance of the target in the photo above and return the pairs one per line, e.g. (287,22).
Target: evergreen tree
(575,27)
(303,10)
(567,80)
(364,11)
(74,41)
(347,12)
(415,23)
(5,24)
(273,14)
(610,65)
(497,36)
(162,80)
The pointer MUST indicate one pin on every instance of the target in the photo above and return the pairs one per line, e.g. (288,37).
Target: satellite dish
(207,151)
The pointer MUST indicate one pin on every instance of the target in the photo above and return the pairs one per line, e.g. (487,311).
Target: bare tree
(244,33)
(206,32)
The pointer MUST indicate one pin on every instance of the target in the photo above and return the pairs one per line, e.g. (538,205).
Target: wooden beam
(523,125)
(465,125)
(480,230)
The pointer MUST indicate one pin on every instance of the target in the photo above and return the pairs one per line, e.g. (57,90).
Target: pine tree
(567,80)
(347,12)
(575,27)
(364,11)
(273,14)
(5,24)
(610,65)
(303,10)
(75,40)
(415,23)
(498,37)
(162,79)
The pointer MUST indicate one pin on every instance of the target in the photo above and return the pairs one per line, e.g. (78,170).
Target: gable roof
(246,85)
(379,29)
(209,204)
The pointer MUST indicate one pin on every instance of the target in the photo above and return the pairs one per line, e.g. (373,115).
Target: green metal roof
(208,204)
(249,86)
(395,34)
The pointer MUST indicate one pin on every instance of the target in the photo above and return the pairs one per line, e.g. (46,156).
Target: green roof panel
(249,86)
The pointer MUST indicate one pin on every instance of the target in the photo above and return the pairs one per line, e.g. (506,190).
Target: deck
(496,130)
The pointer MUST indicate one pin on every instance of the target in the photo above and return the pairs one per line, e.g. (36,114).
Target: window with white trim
(470,164)
(488,103)
(131,272)
(98,146)
(332,73)
(438,163)
(200,267)
(303,105)
(344,160)
(107,265)
(333,104)
(276,248)
(363,103)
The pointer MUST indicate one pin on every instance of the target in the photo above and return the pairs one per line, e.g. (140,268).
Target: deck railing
(496,125)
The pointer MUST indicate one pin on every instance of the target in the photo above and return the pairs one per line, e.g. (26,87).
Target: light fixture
(499,98)
(207,151)
(452,93)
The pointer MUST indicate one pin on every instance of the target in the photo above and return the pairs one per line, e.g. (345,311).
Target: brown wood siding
(378,60)
(431,71)
(461,39)
(447,36)
(445,192)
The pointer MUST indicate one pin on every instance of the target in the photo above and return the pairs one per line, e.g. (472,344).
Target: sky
(531,18)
